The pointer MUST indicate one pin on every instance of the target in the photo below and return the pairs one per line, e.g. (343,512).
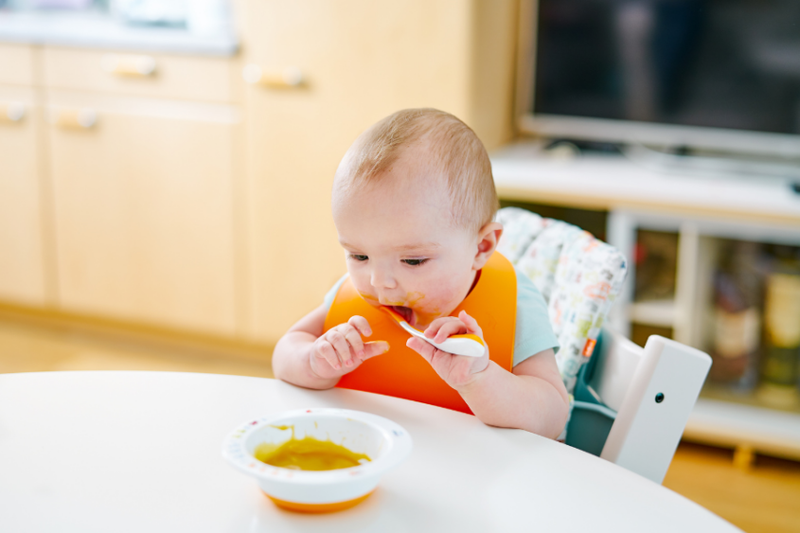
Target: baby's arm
(310,357)
(532,397)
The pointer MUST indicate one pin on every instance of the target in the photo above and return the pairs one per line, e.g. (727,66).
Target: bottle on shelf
(736,336)
(780,367)
(656,259)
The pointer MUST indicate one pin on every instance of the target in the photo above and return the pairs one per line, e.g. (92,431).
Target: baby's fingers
(342,347)
(432,331)
(452,327)
(353,338)
(421,347)
(361,324)
(325,351)
(371,349)
(471,323)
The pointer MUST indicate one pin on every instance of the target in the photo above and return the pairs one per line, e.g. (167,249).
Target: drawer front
(16,64)
(135,74)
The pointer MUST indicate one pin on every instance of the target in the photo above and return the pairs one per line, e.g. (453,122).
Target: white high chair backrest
(653,391)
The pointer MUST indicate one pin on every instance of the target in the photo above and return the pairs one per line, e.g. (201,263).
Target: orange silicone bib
(402,372)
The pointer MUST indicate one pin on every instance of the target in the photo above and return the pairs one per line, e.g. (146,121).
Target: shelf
(732,425)
(653,313)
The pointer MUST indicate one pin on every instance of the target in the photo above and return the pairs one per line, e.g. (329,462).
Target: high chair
(627,404)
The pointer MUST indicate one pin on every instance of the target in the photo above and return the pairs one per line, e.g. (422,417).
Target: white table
(141,451)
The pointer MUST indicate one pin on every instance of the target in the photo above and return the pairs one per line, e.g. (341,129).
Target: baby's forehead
(405,186)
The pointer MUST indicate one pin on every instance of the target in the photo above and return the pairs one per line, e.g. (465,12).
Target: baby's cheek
(437,302)
(364,289)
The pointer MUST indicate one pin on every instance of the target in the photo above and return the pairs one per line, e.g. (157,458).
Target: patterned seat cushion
(578,275)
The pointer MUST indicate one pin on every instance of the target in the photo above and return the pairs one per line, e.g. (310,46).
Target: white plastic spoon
(468,344)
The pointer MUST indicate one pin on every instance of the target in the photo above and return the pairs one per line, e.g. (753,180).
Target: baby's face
(403,251)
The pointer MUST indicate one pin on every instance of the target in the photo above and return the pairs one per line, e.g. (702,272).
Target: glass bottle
(737,316)
(779,369)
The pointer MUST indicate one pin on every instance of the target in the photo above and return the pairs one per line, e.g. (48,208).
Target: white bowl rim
(235,452)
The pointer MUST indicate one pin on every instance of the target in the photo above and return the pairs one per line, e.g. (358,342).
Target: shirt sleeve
(533,332)
(331,294)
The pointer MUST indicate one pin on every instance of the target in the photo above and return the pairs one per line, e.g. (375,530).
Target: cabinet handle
(12,112)
(289,78)
(82,119)
(135,66)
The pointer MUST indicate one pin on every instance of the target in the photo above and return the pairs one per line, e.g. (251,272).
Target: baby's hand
(341,350)
(456,370)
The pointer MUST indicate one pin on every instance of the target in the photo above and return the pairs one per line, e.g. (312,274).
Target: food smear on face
(309,454)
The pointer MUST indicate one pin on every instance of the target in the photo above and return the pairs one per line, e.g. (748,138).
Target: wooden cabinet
(22,251)
(360,60)
(156,190)
(144,208)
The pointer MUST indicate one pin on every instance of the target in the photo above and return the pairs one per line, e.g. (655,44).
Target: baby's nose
(381,279)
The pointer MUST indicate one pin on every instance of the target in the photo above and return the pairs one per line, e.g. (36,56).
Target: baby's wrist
(311,366)
(475,382)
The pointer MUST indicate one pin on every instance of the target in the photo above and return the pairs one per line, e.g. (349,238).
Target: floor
(763,498)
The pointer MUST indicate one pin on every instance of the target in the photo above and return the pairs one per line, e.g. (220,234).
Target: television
(719,75)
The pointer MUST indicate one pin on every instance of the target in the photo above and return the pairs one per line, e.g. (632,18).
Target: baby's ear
(488,236)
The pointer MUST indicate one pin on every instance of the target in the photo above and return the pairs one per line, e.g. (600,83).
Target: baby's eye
(359,257)
(414,262)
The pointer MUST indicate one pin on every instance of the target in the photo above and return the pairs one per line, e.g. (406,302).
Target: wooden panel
(22,274)
(184,77)
(16,64)
(362,61)
(144,211)
(493,46)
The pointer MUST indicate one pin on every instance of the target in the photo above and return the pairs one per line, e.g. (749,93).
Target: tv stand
(681,159)
(712,164)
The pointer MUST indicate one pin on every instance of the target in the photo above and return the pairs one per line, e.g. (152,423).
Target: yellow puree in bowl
(309,454)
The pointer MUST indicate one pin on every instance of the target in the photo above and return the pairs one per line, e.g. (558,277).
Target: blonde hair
(457,155)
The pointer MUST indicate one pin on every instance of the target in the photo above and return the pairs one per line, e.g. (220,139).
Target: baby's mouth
(405,312)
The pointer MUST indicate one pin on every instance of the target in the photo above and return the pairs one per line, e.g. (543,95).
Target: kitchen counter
(98,30)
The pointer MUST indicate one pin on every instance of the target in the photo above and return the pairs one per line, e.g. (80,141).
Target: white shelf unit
(657,313)
(713,422)
(701,208)
(697,259)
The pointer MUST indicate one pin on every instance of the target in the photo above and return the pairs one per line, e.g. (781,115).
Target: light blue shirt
(533,333)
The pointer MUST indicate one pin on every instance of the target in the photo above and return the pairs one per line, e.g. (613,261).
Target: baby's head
(414,202)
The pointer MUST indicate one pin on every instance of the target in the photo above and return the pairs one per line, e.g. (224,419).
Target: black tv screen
(715,63)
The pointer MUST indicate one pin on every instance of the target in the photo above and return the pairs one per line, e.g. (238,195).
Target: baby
(414,203)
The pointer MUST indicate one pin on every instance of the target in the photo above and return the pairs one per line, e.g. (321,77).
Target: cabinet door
(16,64)
(361,60)
(22,263)
(144,209)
